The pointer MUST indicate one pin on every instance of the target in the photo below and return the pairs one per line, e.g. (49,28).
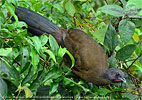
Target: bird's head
(114,75)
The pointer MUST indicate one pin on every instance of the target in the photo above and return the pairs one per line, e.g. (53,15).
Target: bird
(91,62)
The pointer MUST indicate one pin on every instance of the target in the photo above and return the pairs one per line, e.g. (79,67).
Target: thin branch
(86,22)
(135,61)
(18,95)
(47,63)
(16,62)
(135,81)
(100,22)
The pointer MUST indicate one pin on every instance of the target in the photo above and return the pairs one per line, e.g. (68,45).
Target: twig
(47,63)
(100,22)
(135,60)
(16,62)
(135,81)
(86,22)
(18,95)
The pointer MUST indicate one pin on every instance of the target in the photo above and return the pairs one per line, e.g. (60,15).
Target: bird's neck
(104,76)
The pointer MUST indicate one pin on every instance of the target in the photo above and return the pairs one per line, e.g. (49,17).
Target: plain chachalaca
(91,63)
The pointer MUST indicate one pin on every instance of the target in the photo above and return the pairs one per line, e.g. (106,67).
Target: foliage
(33,66)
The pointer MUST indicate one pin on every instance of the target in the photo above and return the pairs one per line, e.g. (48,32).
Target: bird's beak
(122,79)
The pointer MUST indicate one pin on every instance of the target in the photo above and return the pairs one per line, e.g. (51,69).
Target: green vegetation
(33,66)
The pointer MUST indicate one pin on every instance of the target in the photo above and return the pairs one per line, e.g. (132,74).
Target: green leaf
(9,72)
(3,1)
(99,34)
(113,10)
(70,80)
(78,6)
(43,39)
(53,88)
(58,7)
(103,91)
(51,54)
(78,84)
(28,92)
(24,56)
(3,89)
(11,9)
(85,89)
(76,92)
(137,3)
(112,61)
(15,52)
(66,81)
(53,43)
(70,8)
(140,60)
(4,30)
(37,6)
(53,74)
(38,80)
(14,2)
(5,51)
(130,96)
(61,52)
(125,52)
(2,18)
(123,2)
(126,30)
(139,68)
(21,24)
(35,57)
(111,39)
(37,43)
(29,75)
(72,58)
(10,27)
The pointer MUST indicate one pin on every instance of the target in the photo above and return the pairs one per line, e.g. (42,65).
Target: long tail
(37,24)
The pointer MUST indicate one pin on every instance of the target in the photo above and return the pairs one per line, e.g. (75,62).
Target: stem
(135,61)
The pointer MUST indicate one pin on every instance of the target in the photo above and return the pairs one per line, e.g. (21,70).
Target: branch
(135,61)
(134,79)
